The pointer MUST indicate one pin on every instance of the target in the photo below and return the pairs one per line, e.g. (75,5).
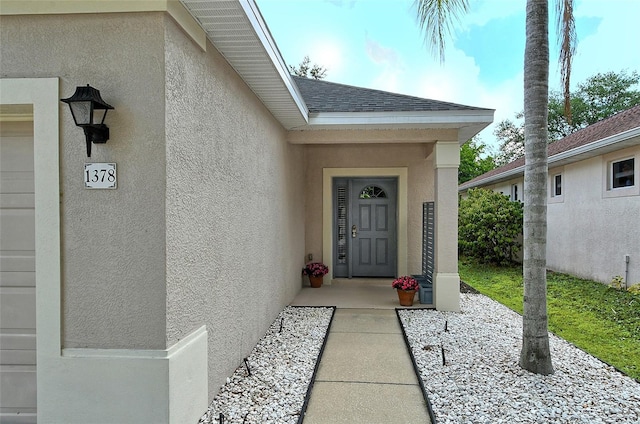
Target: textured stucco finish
(234,207)
(214,211)
(416,157)
(446,281)
(113,240)
(588,233)
(207,228)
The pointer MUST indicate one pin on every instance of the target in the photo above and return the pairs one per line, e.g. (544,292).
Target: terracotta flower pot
(406,297)
(315,281)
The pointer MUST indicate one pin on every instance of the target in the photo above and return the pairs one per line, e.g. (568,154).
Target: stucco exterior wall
(416,157)
(588,233)
(505,187)
(113,275)
(234,207)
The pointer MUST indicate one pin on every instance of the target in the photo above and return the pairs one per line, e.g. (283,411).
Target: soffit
(237,30)
(408,127)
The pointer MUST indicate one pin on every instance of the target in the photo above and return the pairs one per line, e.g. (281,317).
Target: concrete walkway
(366,375)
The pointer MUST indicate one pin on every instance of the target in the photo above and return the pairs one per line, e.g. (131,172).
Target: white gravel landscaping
(482,382)
(281,367)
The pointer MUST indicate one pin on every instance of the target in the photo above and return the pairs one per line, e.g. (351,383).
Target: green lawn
(598,319)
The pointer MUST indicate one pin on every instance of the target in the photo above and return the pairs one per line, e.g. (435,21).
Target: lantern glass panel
(99,115)
(81,112)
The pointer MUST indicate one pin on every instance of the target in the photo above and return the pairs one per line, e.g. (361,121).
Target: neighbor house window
(514,192)
(557,186)
(620,174)
(623,173)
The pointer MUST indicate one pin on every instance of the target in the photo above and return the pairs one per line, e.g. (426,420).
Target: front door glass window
(373,192)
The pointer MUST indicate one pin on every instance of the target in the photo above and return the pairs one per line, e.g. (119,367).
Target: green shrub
(489,225)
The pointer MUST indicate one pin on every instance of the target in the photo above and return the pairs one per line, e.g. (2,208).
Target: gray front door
(366,242)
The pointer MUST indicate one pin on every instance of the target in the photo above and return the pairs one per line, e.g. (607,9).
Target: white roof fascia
(437,119)
(507,175)
(596,145)
(238,31)
(593,147)
(262,31)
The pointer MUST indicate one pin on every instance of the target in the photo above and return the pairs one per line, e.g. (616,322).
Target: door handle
(354,231)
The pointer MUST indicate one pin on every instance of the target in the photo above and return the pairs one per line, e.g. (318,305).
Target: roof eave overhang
(465,123)
(606,145)
(238,31)
(603,146)
(494,179)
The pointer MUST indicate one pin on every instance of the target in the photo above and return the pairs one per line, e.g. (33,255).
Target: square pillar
(446,279)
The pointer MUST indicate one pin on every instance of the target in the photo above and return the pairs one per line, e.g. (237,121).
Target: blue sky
(378,44)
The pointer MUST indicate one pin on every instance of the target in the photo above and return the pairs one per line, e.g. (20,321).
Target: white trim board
(328,174)
(174,8)
(94,385)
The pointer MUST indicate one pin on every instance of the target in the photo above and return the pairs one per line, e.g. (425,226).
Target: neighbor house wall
(113,278)
(234,207)
(504,187)
(415,157)
(588,232)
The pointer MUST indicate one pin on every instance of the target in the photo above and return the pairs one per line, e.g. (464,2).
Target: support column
(446,279)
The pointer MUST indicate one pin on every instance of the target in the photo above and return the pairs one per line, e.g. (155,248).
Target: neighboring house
(593,211)
(134,304)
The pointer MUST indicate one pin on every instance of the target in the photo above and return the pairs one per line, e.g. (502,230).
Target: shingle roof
(324,96)
(616,124)
(620,122)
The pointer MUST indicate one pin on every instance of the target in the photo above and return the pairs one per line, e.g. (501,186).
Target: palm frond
(437,18)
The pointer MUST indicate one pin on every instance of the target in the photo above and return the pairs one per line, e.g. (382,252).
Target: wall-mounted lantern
(89,110)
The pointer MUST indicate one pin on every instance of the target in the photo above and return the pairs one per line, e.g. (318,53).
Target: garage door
(17,274)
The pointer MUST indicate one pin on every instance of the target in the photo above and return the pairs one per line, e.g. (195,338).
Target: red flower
(315,269)
(405,282)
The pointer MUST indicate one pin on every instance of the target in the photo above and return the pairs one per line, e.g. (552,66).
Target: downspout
(626,271)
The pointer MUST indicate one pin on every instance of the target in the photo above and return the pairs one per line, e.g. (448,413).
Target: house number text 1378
(100,175)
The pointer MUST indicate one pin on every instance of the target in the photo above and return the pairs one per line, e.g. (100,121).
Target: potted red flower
(316,271)
(406,287)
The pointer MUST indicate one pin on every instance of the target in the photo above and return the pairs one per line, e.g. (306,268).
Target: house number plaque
(100,175)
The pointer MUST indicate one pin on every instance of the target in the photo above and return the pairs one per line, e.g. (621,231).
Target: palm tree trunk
(535,355)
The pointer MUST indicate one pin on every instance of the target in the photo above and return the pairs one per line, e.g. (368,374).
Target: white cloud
(456,81)
(327,52)
(614,45)
(482,12)
(507,100)
(389,63)
(380,54)
(396,59)
(463,87)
